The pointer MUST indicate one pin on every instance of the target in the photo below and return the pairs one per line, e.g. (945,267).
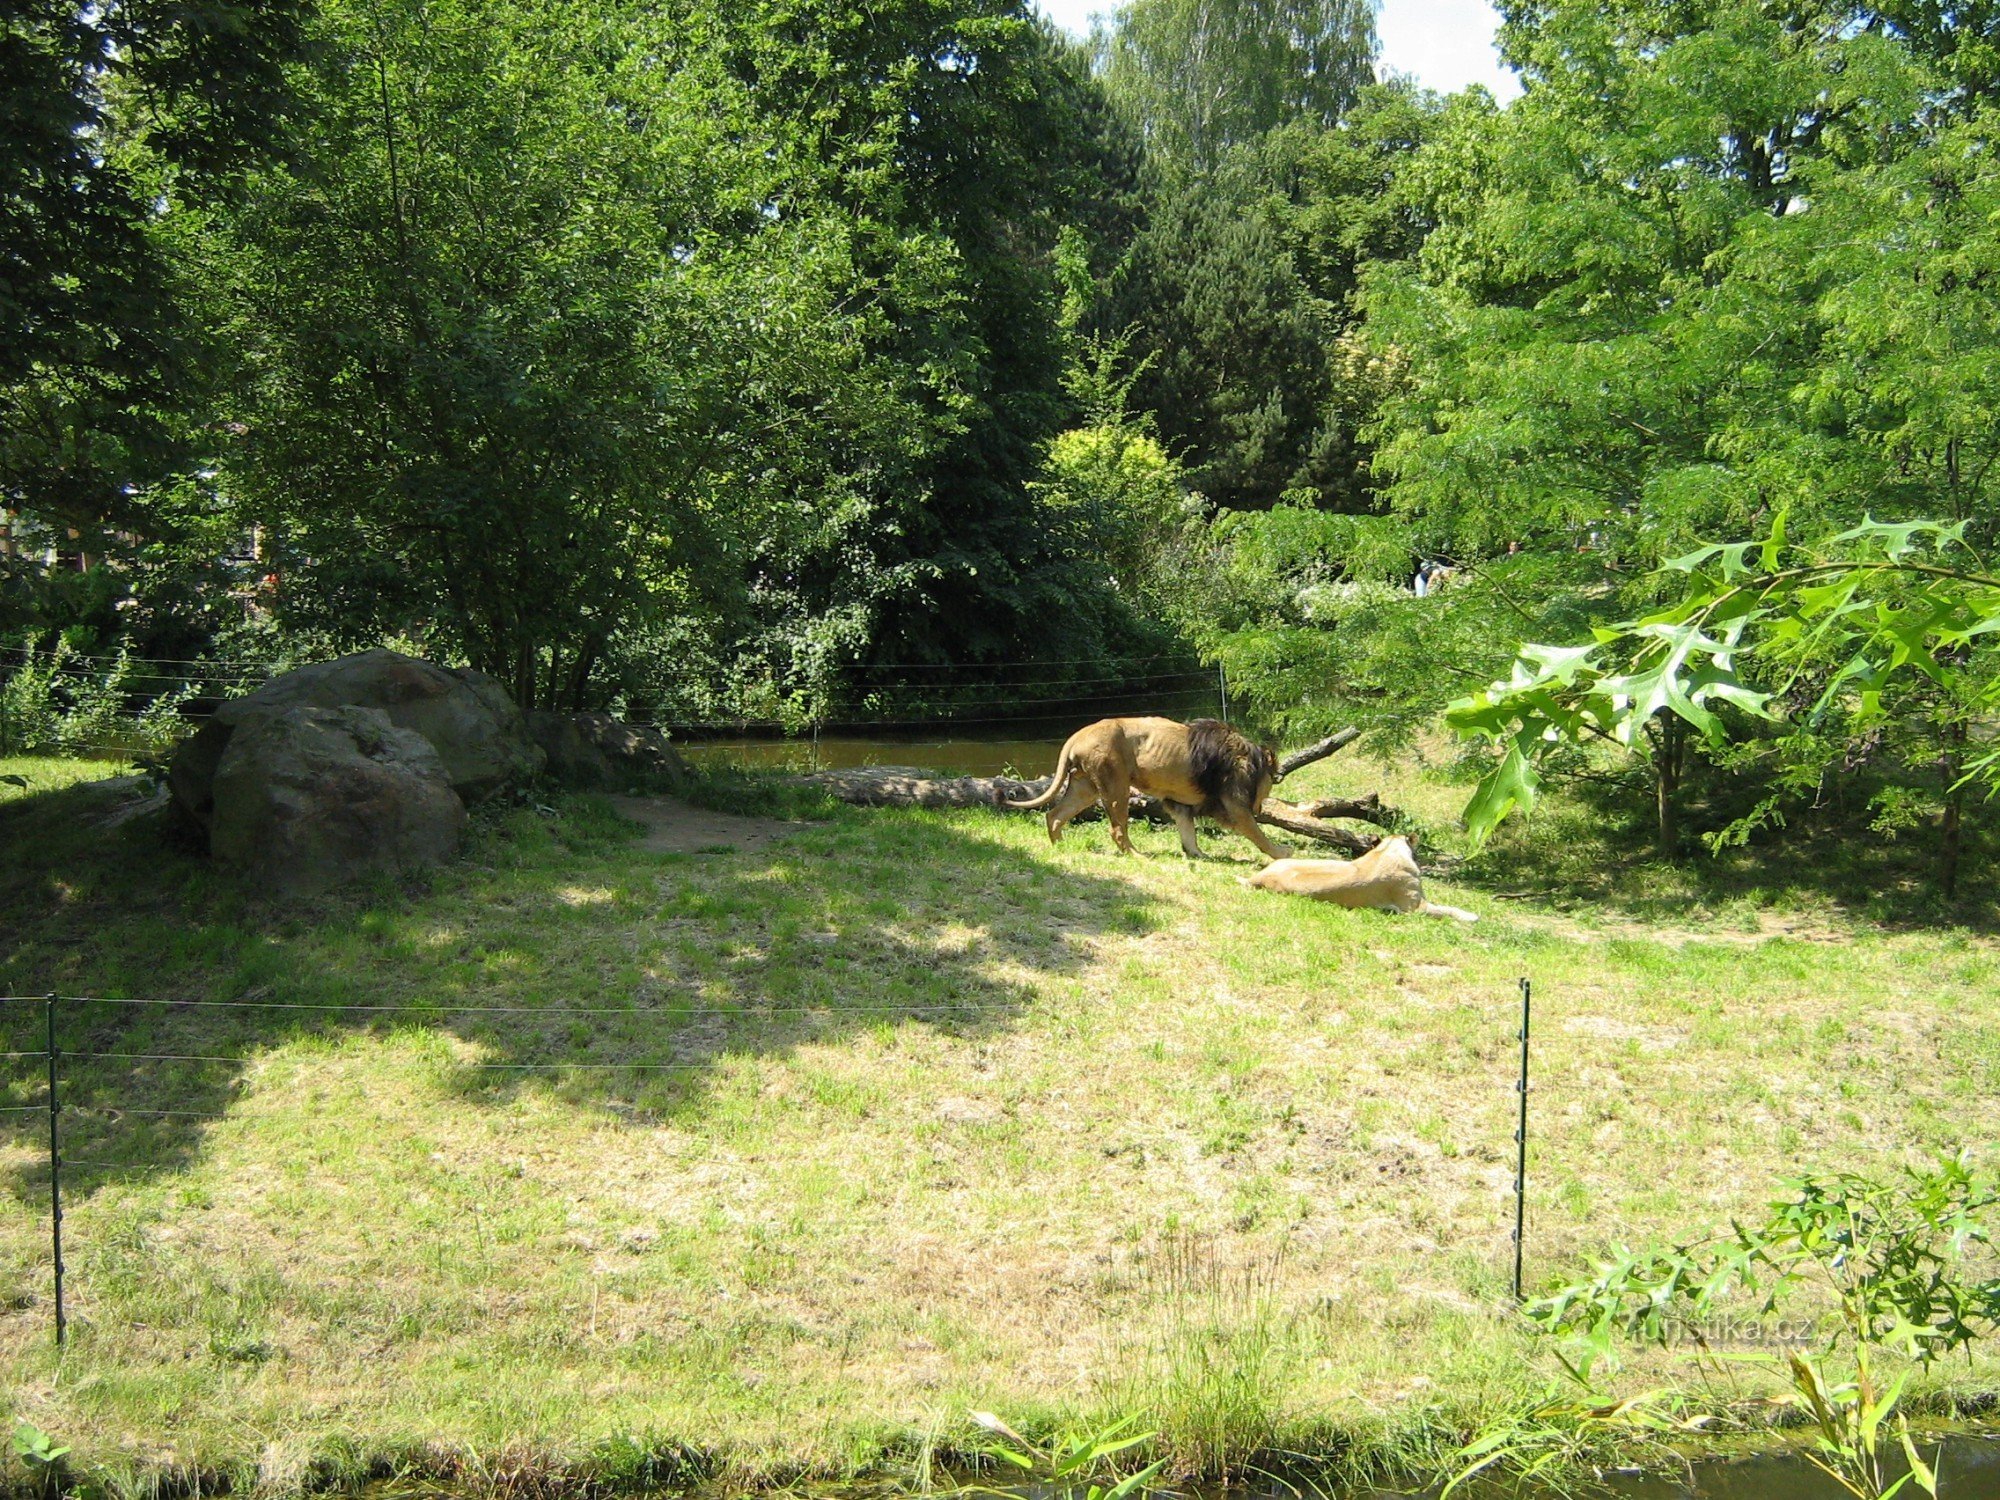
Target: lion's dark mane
(1228,768)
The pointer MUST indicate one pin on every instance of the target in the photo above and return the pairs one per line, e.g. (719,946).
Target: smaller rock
(309,798)
(596,752)
(571,758)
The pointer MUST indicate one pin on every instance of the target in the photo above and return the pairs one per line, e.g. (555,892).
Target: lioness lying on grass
(1386,876)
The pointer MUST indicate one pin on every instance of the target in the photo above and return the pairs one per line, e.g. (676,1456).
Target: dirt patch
(673,827)
(1769,925)
(1611,1029)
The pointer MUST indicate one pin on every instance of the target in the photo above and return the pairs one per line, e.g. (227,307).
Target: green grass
(1154,1143)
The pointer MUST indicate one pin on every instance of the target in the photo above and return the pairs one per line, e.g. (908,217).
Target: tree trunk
(1368,809)
(1951,836)
(524,677)
(910,786)
(1667,781)
(579,676)
(1276,814)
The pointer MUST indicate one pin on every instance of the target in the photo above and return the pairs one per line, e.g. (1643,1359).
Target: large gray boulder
(594,750)
(477,730)
(309,798)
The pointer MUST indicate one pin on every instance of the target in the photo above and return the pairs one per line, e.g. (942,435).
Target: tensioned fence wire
(109,1116)
(556,1011)
(972,702)
(1136,681)
(668,1011)
(1111,669)
(112,1114)
(252,664)
(751,1012)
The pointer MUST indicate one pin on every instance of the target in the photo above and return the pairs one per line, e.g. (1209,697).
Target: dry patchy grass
(931,1117)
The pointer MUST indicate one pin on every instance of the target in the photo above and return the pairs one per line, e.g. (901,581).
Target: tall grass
(1212,1372)
(58,704)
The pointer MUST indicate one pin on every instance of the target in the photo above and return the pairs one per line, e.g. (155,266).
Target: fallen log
(910,786)
(1368,809)
(1294,820)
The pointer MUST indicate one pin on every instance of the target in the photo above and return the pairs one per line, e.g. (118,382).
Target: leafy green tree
(1351,206)
(554,332)
(989,135)
(1111,493)
(1830,643)
(84,88)
(1312,615)
(1203,76)
(1261,126)
(1345,205)
(1714,264)
(1610,324)
(1117,486)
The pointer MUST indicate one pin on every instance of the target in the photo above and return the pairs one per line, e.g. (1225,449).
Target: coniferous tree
(110,113)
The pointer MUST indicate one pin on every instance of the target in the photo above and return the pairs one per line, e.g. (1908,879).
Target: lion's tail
(1455,913)
(1058,784)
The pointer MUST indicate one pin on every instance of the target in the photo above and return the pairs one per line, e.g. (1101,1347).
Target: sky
(1443,44)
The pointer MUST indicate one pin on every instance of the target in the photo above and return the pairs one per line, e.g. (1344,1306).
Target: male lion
(1204,769)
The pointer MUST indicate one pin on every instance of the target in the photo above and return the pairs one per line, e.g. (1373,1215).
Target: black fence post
(55,1174)
(1521,1149)
(1222,690)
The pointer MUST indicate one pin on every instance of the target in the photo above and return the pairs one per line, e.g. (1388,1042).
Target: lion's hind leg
(1082,792)
(1119,811)
(1115,787)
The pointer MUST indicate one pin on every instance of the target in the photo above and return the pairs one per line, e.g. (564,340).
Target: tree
(1203,76)
(1232,98)
(1236,346)
(555,332)
(1351,205)
(1829,643)
(989,136)
(109,114)
(1346,206)
(1712,266)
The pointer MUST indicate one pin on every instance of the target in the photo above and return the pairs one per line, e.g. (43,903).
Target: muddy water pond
(1967,1465)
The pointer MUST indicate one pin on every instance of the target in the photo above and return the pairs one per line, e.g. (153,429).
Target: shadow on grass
(685,963)
(1593,845)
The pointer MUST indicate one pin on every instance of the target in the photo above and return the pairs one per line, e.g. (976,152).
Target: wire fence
(105,1153)
(128,705)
